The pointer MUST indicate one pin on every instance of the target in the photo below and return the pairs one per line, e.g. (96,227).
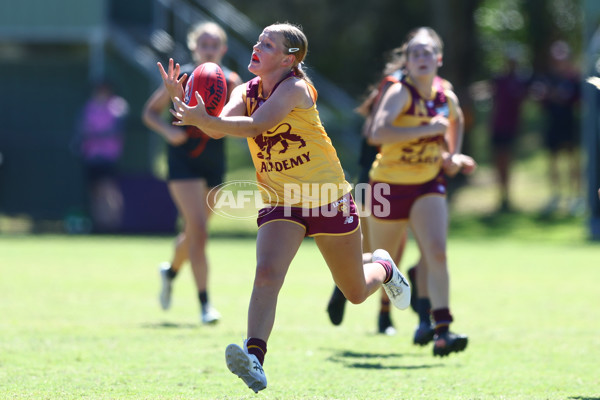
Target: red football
(207,79)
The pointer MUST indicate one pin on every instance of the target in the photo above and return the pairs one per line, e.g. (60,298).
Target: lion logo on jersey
(282,134)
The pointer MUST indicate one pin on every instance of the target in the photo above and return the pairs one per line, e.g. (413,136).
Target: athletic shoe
(336,306)
(385,325)
(412,278)
(423,334)
(246,367)
(449,342)
(166,283)
(397,289)
(209,315)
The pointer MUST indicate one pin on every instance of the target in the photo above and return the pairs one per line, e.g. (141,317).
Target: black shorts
(209,164)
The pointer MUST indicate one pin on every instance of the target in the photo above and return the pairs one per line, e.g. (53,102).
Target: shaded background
(51,53)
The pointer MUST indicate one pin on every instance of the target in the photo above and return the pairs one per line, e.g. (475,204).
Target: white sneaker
(165,291)
(397,289)
(246,367)
(209,315)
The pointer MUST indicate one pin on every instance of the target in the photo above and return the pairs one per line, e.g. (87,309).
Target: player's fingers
(180,80)
(170,70)
(177,115)
(199,98)
(162,71)
(179,103)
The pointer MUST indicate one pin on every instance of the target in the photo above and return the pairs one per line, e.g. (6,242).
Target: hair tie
(293,49)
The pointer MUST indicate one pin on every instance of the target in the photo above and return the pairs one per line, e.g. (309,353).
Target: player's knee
(268,275)
(438,255)
(197,228)
(355,296)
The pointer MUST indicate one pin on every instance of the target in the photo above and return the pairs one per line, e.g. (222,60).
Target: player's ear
(440,61)
(289,59)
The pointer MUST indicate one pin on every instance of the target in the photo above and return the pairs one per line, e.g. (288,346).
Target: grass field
(79,319)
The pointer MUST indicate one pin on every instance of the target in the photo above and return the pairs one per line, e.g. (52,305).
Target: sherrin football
(207,79)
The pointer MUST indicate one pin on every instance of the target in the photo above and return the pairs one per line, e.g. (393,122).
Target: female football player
(419,127)
(196,164)
(280,104)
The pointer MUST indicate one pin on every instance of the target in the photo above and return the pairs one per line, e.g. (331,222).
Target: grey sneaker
(165,289)
(246,367)
(209,315)
(397,289)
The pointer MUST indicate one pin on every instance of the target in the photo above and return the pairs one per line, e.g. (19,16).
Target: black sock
(203,296)
(424,310)
(384,306)
(337,294)
(171,273)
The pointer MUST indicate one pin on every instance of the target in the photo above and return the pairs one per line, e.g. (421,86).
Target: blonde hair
(202,28)
(397,62)
(399,54)
(295,42)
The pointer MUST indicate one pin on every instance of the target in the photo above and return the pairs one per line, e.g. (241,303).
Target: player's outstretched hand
(187,115)
(171,79)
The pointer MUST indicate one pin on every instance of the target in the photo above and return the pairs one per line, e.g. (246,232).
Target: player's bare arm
(290,94)
(153,118)
(393,103)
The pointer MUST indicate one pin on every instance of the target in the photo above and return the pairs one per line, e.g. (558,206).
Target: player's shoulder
(293,82)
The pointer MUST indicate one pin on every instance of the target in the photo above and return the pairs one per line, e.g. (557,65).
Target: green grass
(79,319)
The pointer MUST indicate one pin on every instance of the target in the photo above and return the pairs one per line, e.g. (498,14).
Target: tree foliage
(348,40)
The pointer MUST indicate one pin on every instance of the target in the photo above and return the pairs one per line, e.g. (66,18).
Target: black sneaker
(336,306)
(412,277)
(423,334)
(385,325)
(449,342)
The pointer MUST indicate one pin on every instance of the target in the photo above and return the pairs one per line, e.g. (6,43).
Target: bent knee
(356,296)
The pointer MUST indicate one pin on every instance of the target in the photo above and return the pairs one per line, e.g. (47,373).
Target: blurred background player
(196,164)
(559,93)
(419,126)
(509,90)
(99,139)
(393,73)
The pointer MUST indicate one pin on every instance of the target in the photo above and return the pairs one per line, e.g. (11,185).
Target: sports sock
(424,309)
(384,306)
(258,348)
(337,294)
(442,319)
(203,297)
(171,273)
(389,270)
